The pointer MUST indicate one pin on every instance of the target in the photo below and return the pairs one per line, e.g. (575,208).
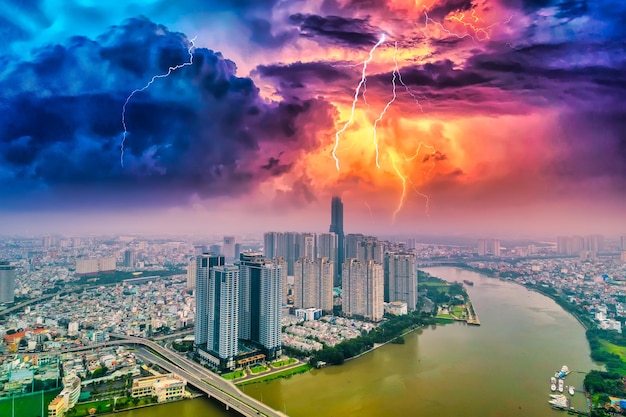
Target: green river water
(501,368)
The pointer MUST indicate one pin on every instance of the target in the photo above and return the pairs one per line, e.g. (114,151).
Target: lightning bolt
(419,147)
(382,113)
(145,87)
(428,19)
(404,181)
(356,98)
(479,31)
(424,196)
(369,209)
(408,90)
(363,95)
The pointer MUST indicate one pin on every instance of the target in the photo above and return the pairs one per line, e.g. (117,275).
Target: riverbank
(379,345)
(441,293)
(449,370)
(607,348)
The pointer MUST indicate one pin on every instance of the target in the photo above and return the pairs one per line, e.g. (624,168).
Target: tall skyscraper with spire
(336,226)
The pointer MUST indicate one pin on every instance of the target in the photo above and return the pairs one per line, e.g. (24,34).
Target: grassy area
(281,374)
(128,402)
(445,316)
(442,286)
(82,409)
(239,373)
(28,405)
(258,369)
(284,362)
(611,348)
(458,311)
(444,320)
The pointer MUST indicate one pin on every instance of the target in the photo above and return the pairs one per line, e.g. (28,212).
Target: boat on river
(552,380)
(571,390)
(561,383)
(563,372)
(553,387)
(467,282)
(559,401)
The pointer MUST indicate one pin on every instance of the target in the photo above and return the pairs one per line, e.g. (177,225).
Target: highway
(200,377)
(208,382)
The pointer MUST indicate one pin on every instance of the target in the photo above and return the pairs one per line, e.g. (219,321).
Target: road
(200,377)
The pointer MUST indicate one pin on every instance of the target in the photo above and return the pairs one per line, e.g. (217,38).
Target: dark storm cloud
(564,8)
(438,75)
(557,72)
(199,131)
(300,74)
(593,145)
(336,30)
(435,156)
(437,9)
(442,8)
(261,34)
(274,166)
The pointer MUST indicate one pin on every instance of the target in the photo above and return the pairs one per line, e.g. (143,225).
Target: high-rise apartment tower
(204,264)
(7,282)
(260,302)
(223,316)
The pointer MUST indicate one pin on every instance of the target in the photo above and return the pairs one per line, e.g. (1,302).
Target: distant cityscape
(247,300)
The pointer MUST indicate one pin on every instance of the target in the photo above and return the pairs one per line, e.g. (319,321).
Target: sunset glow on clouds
(510,119)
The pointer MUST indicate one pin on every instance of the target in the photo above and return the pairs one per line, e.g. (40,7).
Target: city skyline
(498,118)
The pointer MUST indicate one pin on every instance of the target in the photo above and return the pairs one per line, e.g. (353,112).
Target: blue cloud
(201,131)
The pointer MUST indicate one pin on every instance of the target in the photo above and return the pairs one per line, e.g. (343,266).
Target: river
(501,368)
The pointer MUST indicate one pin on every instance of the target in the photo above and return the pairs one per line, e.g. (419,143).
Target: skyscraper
(204,264)
(489,247)
(269,245)
(48,241)
(200,249)
(594,243)
(306,247)
(284,245)
(336,226)
(7,282)
(260,301)
(228,250)
(325,271)
(327,246)
(223,316)
(362,289)
(401,278)
(313,284)
(191,274)
(304,283)
(351,248)
(129,258)
(370,248)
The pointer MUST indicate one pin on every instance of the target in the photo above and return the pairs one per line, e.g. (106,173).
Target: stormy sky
(490,117)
